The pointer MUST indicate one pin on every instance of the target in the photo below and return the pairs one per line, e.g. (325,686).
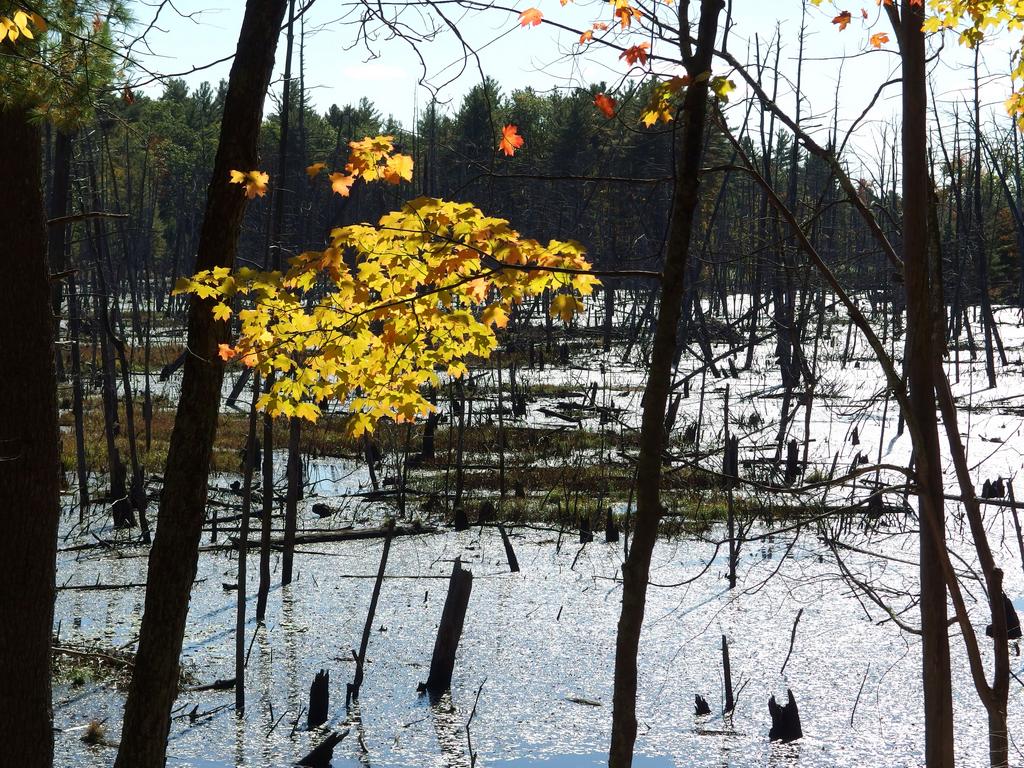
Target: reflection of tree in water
(355,720)
(451,732)
(291,654)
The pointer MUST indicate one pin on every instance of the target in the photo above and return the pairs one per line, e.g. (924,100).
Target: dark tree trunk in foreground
(652,432)
(923,349)
(29,454)
(173,559)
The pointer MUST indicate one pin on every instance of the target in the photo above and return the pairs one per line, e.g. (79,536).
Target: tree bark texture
(29,452)
(174,556)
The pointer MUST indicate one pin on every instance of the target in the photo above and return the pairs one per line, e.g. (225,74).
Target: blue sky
(340,68)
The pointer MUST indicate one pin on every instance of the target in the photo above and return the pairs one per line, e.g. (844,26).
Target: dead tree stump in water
(700,706)
(611,530)
(785,720)
(449,632)
(510,554)
(461,521)
(586,534)
(319,695)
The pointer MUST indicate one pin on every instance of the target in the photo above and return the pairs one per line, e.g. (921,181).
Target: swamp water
(537,640)
(533,641)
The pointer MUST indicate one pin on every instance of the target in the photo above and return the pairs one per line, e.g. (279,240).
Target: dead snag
(352,691)
(785,720)
(449,632)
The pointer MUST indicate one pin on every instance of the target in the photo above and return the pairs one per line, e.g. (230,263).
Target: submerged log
(319,697)
(785,720)
(449,632)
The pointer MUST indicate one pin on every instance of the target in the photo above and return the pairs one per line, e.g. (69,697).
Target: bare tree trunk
(923,350)
(29,452)
(173,558)
(652,432)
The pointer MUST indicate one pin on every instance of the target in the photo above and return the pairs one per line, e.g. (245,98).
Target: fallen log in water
(321,537)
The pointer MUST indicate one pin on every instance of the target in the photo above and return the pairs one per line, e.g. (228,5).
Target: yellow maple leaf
(314,169)
(398,167)
(255,182)
(495,315)
(565,306)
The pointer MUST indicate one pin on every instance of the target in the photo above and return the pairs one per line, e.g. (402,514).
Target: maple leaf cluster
(387,309)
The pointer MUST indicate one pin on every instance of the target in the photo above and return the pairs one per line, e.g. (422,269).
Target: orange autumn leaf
(530,17)
(510,140)
(843,19)
(342,183)
(636,53)
(879,39)
(226,352)
(625,14)
(585,37)
(606,104)
(255,182)
(314,169)
(477,289)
